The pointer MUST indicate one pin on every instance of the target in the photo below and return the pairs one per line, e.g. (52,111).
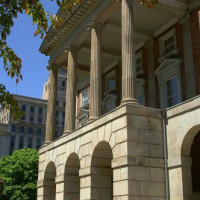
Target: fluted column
(70,108)
(95,98)
(128,54)
(51,105)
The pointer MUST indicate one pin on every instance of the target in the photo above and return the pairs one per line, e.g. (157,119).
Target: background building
(30,130)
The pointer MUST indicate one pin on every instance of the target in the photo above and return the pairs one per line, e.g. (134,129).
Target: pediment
(167,64)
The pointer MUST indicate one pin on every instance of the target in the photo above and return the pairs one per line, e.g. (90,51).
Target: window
(31,118)
(140,91)
(13,128)
(56,122)
(140,99)
(40,111)
(21,129)
(168,74)
(39,131)
(171,92)
(56,134)
(63,114)
(108,106)
(39,120)
(32,109)
(23,107)
(64,104)
(21,142)
(38,143)
(30,141)
(139,63)
(84,98)
(56,113)
(63,83)
(30,130)
(12,143)
(83,120)
(110,80)
(168,44)
(57,103)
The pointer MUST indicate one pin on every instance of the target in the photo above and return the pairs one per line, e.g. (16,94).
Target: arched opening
(102,174)
(190,167)
(49,182)
(195,169)
(72,180)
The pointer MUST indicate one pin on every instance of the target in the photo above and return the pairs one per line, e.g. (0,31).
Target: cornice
(55,36)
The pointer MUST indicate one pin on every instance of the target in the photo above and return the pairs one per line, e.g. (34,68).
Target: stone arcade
(132,106)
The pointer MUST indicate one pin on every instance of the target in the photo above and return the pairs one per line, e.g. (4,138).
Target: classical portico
(119,152)
(95,98)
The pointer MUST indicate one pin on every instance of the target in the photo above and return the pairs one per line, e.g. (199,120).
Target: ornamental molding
(54,36)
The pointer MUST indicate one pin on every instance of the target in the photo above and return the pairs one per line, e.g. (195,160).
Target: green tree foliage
(10,9)
(19,175)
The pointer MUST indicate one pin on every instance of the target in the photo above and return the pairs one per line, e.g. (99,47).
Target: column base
(92,119)
(124,101)
(66,132)
(46,143)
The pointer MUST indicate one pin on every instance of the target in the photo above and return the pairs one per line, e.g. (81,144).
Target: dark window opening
(22,129)
(30,130)
(23,107)
(21,142)
(63,83)
(32,109)
(30,142)
(40,110)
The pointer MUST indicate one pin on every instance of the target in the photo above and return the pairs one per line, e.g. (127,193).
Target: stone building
(132,126)
(30,130)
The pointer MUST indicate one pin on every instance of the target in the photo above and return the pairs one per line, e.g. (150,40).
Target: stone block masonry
(118,156)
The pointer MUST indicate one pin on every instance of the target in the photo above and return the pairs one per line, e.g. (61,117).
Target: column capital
(94,24)
(52,66)
(70,47)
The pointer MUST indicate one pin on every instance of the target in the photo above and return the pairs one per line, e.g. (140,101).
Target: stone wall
(119,156)
(183,126)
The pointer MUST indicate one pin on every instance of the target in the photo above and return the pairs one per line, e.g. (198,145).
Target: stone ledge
(137,161)
(180,161)
(184,107)
(123,110)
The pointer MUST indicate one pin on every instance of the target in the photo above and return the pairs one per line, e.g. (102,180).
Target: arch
(102,173)
(190,154)
(195,169)
(49,182)
(71,179)
(188,140)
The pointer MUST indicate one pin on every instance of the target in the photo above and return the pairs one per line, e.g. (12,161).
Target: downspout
(164,123)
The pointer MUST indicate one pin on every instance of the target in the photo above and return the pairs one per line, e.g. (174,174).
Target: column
(128,54)
(51,105)
(95,99)
(70,108)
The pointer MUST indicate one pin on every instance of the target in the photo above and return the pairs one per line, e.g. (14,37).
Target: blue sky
(26,46)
